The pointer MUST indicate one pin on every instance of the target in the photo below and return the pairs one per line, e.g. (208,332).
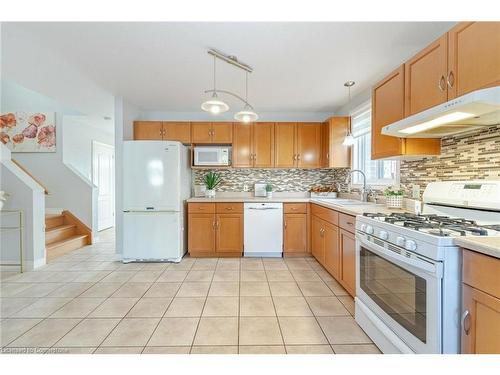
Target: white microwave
(212,156)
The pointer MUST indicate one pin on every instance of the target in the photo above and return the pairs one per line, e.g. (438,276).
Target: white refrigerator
(156,183)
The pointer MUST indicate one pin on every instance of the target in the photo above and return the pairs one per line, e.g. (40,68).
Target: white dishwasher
(263,234)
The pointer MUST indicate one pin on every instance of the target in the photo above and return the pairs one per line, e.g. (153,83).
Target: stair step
(59,233)
(56,249)
(53,220)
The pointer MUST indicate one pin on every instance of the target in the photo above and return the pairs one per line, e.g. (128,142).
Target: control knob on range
(383,234)
(400,241)
(369,229)
(363,227)
(410,245)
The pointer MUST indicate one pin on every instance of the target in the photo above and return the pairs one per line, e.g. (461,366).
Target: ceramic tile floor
(88,302)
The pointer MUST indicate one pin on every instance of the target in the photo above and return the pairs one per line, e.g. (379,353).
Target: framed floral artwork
(28,132)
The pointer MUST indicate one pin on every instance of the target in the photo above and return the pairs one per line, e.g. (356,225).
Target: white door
(103,176)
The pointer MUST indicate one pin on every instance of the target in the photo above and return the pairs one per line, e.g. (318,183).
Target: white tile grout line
(190,268)
(274,306)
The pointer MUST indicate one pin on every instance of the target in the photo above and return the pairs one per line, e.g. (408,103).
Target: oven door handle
(434,269)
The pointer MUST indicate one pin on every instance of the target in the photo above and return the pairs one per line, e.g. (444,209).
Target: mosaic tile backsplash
(468,156)
(283,180)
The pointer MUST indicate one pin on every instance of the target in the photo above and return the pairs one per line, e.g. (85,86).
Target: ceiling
(298,67)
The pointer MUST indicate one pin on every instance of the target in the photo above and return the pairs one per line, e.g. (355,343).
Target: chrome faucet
(364,192)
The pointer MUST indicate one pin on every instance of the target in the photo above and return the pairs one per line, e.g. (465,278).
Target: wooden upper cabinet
(333,153)
(473,57)
(177,131)
(387,107)
(308,145)
(425,77)
(242,145)
(222,132)
(284,145)
(212,132)
(148,130)
(263,144)
(201,132)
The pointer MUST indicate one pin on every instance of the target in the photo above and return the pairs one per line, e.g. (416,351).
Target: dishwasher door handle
(263,208)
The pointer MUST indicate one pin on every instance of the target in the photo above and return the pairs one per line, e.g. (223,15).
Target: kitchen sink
(345,202)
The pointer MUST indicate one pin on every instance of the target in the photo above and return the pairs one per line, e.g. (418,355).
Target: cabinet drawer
(325,213)
(206,208)
(347,222)
(295,208)
(482,272)
(225,208)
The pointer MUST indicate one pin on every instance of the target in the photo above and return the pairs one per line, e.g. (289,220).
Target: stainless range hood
(468,112)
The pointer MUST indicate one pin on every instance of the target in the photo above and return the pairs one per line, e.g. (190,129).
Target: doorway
(103,176)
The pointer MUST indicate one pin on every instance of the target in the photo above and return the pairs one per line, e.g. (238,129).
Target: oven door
(403,289)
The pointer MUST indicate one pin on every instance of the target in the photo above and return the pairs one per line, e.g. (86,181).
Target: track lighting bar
(230,60)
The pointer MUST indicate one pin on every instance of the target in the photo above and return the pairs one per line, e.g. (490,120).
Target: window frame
(378,184)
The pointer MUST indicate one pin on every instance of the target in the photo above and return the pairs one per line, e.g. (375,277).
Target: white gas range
(408,269)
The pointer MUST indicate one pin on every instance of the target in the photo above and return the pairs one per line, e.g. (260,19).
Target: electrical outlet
(245,187)
(415,191)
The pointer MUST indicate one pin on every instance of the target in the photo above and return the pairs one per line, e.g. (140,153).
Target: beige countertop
(485,245)
(351,209)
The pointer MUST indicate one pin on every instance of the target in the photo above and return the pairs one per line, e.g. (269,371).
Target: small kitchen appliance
(408,268)
(212,156)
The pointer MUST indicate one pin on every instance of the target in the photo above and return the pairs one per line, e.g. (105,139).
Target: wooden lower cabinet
(347,243)
(295,234)
(201,233)
(481,322)
(332,251)
(215,234)
(229,233)
(334,247)
(481,304)
(317,239)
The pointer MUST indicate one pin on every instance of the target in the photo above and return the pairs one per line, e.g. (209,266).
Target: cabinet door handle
(285,225)
(349,223)
(298,156)
(442,83)
(451,79)
(466,322)
(213,224)
(229,208)
(294,156)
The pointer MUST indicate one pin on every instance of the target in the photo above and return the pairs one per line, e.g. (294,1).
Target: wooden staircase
(64,233)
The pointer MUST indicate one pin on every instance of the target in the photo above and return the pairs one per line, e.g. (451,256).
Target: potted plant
(211,181)
(3,198)
(269,190)
(393,197)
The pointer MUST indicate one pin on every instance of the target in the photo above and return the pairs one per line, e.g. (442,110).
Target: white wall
(28,196)
(78,134)
(68,189)
(28,62)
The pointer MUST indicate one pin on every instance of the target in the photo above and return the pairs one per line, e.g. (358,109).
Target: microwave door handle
(434,269)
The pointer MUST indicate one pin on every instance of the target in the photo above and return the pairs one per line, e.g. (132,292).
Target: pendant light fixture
(214,105)
(349,139)
(247,114)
